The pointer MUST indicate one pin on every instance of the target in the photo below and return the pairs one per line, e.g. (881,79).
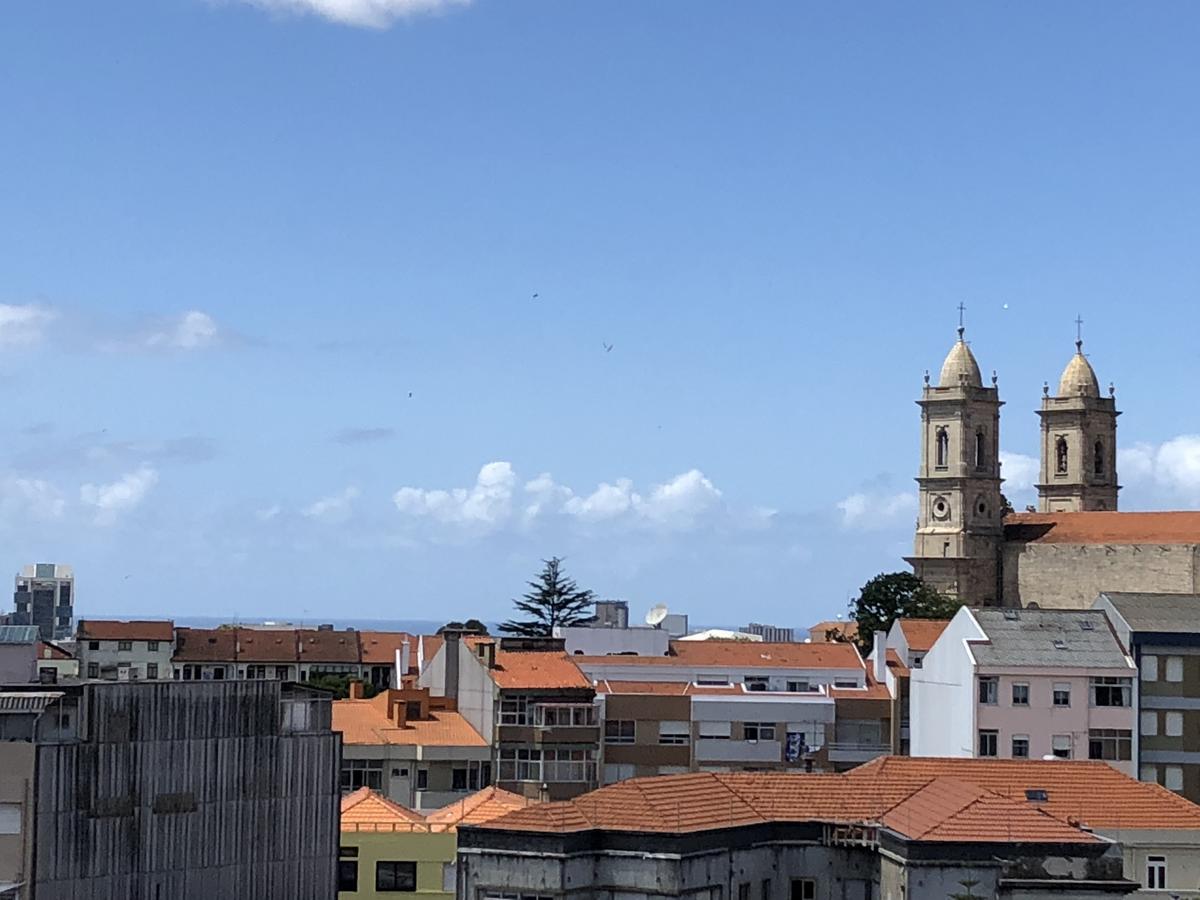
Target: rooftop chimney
(879,654)
(405,660)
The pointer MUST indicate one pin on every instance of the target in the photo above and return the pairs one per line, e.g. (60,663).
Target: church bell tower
(959,520)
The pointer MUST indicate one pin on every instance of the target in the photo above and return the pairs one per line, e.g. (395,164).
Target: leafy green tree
(896,595)
(553,599)
(339,685)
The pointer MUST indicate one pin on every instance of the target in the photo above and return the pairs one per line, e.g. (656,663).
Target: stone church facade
(1078,543)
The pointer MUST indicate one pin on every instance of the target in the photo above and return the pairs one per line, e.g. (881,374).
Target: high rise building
(772,634)
(45,597)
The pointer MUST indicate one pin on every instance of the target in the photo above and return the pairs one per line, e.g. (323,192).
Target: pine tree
(554,599)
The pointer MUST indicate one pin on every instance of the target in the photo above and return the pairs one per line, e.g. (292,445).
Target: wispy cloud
(1173,466)
(1020,471)
(30,498)
(868,510)
(111,500)
(193,330)
(24,324)
(360,13)
(334,509)
(350,436)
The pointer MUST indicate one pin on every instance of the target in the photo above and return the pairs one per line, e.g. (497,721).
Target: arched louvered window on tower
(1060,456)
(942,453)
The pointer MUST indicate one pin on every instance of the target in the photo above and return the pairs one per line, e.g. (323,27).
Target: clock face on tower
(940,509)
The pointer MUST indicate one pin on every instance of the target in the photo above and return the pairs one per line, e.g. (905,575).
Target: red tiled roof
(365,810)
(537,669)
(133,630)
(480,807)
(379,647)
(260,645)
(328,646)
(366,722)
(676,688)
(48,650)
(873,690)
(205,645)
(893,662)
(1178,527)
(743,654)
(965,800)
(921,633)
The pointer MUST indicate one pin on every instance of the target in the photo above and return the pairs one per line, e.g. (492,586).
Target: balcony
(856,751)
(717,750)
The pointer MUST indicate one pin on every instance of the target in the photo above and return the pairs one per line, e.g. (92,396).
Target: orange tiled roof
(1093,793)
(537,669)
(1178,527)
(133,630)
(893,662)
(366,810)
(978,801)
(846,628)
(676,688)
(743,654)
(480,807)
(379,647)
(366,722)
(873,690)
(921,633)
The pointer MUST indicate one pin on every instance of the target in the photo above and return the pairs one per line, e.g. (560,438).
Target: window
(988,741)
(422,779)
(218,673)
(93,645)
(1111,691)
(988,689)
(980,450)
(744,891)
(1148,774)
(619,731)
(1110,743)
(1020,694)
(756,683)
(674,733)
(1149,723)
(151,670)
(256,672)
(566,715)
(716,731)
(1062,693)
(846,683)
(514,710)
(1060,456)
(764,892)
(1175,668)
(1156,873)
(804,889)
(1098,458)
(152,646)
(1020,746)
(93,670)
(614,772)
(916,661)
(395,876)
(1173,724)
(281,672)
(449,878)
(458,780)
(124,645)
(10,818)
(520,765)
(758,731)
(563,765)
(1060,746)
(348,874)
(357,773)
(1149,668)
(943,448)
(712,680)
(1173,779)
(799,687)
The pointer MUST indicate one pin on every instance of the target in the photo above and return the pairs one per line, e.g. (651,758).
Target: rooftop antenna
(656,615)
(1078,334)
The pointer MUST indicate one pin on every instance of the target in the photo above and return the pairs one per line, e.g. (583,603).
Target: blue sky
(270,343)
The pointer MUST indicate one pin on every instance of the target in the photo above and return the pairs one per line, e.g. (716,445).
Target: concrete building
(161,790)
(894,829)
(55,663)
(45,597)
(1162,632)
(414,749)
(611,614)
(901,650)
(18,654)
(1025,684)
(639,640)
(125,651)
(772,634)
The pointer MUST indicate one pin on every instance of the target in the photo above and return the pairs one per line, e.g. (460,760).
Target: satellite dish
(657,613)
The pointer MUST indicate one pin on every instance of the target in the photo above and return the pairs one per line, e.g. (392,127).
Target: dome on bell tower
(1079,378)
(960,366)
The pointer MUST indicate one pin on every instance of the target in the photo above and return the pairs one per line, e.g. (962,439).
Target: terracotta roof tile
(366,722)
(255,645)
(743,654)
(379,647)
(1179,527)
(893,662)
(921,633)
(537,669)
(365,810)
(480,807)
(133,630)
(328,646)
(205,645)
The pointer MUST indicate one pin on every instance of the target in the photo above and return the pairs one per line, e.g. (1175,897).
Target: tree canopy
(896,595)
(471,626)
(553,599)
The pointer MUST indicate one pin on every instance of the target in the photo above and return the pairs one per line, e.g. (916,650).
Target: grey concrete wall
(1070,576)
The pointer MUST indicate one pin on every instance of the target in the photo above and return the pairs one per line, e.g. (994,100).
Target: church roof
(960,365)
(1078,378)
(1108,527)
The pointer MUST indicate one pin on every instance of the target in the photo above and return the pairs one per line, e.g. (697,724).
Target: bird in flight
(535,296)
(410,395)
(607,346)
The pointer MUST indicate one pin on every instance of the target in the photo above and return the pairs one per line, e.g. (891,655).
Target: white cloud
(361,13)
(194,330)
(23,323)
(868,511)
(1173,465)
(494,501)
(334,509)
(1020,472)
(30,498)
(268,513)
(111,500)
